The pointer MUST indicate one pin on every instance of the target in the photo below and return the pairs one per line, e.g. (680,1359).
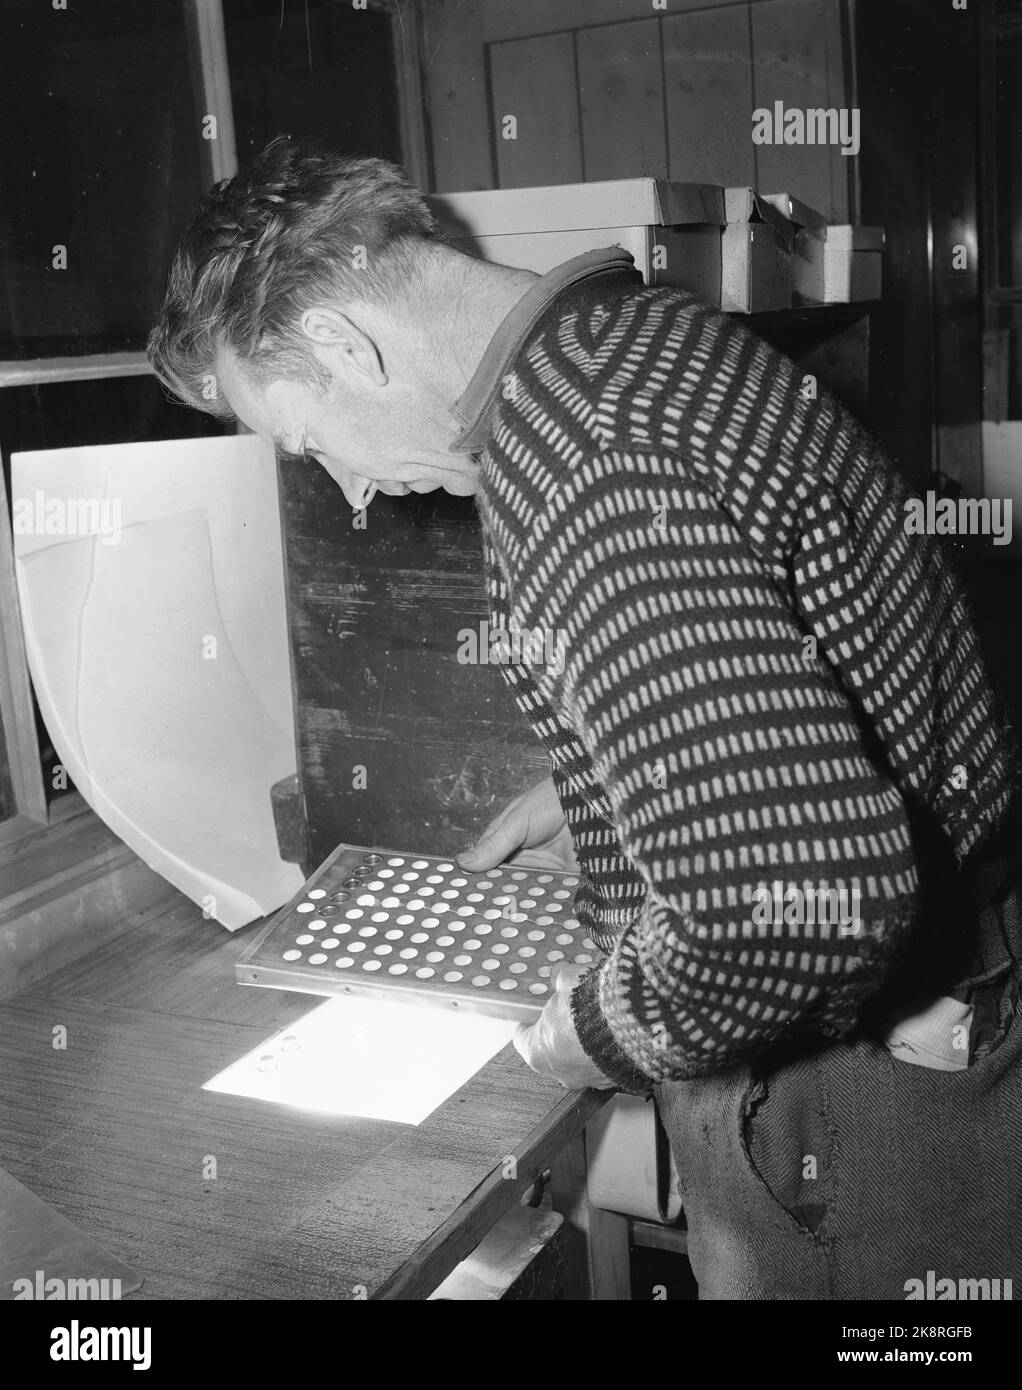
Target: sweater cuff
(597,1040)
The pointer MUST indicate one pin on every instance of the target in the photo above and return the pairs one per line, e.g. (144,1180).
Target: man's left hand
(551,1046)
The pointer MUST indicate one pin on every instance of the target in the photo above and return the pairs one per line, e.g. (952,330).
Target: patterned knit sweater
(658,494)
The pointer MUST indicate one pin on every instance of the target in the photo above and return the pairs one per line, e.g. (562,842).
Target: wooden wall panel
(840,61)
(664,93)
(794,61)
(513,19)
(456,90)
(534,80)
(620,73)
(708,89)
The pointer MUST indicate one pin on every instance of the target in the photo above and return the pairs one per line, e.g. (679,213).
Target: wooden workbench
(115,1130)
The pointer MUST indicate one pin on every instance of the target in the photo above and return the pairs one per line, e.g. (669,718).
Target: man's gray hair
(296,225)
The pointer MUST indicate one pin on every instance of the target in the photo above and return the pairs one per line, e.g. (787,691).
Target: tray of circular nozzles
(413,926)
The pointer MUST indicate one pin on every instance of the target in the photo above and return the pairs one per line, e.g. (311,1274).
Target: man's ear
(342,346)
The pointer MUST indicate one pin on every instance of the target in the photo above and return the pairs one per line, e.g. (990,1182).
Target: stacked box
(733,247)
(756,246)
(845,266)
(838,264)
(671,229)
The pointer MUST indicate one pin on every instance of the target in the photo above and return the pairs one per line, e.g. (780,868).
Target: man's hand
(530,831)
(551,1046)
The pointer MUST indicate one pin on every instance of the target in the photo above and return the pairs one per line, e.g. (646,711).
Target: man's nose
(358,491)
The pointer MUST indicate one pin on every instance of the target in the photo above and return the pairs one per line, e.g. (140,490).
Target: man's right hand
(530,831)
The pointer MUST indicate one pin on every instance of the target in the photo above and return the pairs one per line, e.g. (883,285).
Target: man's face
(394,440)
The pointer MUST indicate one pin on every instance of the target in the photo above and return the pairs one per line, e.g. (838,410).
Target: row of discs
(426,919)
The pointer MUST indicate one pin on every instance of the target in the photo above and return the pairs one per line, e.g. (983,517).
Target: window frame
(210,77)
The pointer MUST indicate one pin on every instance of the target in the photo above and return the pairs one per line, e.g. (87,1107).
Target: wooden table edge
(461,1232)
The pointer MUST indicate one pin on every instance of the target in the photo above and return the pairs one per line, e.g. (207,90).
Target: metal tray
(416,927)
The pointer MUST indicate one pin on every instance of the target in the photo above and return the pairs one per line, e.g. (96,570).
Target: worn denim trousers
(848,1174)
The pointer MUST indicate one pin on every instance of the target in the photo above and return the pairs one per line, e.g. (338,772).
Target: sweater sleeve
(739,787)
(610,892)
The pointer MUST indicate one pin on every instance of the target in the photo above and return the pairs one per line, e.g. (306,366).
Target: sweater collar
(474,409)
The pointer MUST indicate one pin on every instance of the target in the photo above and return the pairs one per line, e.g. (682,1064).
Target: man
(768,702)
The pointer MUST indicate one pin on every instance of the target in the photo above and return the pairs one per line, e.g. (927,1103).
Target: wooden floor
(115,1130)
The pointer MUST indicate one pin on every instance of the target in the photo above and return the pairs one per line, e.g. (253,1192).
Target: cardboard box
(847,238)
(746,205)
(801,214)
(846,268)
(671,229)
(755,254)
(755,269)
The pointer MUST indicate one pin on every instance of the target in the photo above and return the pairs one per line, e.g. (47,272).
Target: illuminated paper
(364,1057)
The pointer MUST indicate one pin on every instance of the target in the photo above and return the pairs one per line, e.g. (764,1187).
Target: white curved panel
(151,587)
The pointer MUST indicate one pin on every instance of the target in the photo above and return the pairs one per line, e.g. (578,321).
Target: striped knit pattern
(657,491)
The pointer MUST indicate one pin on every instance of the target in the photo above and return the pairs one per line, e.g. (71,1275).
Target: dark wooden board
(374,619)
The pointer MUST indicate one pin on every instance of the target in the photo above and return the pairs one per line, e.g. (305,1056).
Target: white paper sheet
(384,1061)
(152,595)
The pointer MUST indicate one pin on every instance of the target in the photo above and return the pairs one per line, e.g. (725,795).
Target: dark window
(318,69)
(100,156)
(114,410)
